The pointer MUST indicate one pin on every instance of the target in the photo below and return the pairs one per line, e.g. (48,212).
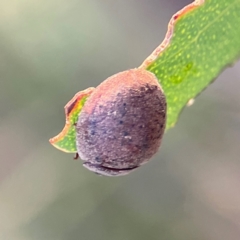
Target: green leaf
(66,140)
(202,39)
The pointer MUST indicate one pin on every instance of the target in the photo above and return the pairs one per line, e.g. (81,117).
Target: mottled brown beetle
(121,125)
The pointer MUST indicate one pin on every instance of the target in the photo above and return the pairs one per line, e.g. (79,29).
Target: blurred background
(51,49)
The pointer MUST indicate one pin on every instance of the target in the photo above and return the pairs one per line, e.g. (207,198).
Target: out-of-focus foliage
(190,190)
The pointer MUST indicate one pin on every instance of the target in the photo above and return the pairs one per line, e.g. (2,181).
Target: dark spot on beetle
(93,123)
(154,87)
(97,159)
(151,90)
(125,133)
(124,104)
(145,146)
(120,122)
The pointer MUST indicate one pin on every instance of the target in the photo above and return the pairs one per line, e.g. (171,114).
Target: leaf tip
(65,140)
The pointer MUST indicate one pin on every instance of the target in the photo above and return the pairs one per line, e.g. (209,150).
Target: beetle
(121,125)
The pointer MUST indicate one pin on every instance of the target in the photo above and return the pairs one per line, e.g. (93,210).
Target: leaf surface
(202,39)
(66,139)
